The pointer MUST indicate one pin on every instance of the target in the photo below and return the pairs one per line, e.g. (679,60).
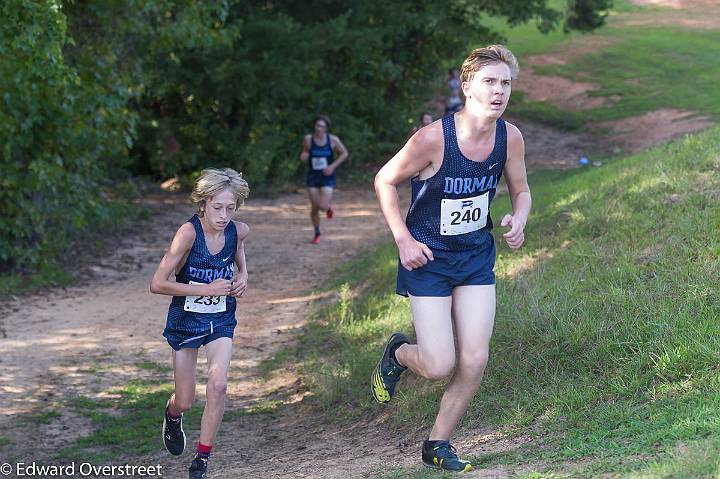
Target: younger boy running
(446,249)
(207,257)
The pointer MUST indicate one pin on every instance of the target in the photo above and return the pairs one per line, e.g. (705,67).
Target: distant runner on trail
(446,248)
(207,257)
(318,152)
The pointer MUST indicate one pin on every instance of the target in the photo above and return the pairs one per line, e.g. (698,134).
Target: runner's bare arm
(516,178)
(424,149)
(340,147)
(239,280)
(305,153)
(180,246)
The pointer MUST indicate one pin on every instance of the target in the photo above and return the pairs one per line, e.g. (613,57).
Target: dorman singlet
(450,210)
(201,314)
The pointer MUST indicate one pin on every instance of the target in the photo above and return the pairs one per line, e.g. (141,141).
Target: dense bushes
(95,91)
(59,131)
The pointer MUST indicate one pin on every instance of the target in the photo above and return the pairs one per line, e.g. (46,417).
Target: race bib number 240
(464,215)
(205,304)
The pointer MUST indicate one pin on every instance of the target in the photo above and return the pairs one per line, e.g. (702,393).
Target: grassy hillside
(607,330)
(645,58)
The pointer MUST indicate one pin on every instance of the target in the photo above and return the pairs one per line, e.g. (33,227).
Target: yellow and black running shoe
(387,373)
(441,455)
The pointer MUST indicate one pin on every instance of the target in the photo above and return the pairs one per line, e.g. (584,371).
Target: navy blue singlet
(193,317)
(320,155)
(450,210)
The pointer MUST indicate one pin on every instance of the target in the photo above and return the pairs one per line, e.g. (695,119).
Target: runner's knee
(217,387)
(474,361)
(439,368)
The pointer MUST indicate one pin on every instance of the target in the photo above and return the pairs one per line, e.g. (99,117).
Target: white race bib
(319,162)
(205,304)
(463,216)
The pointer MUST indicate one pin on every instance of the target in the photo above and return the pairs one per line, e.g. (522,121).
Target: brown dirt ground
(656,126)
(678,4)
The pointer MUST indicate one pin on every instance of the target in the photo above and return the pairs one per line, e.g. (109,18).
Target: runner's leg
(184,364)
(326,193)
(218,353)
(474,316)
(433,357)
(314,196)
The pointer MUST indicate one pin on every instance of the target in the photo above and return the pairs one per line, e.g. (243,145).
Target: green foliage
(59,131)
(238,83)
(586,15)
(95,91)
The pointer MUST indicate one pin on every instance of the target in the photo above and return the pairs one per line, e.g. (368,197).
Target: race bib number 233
(205,304)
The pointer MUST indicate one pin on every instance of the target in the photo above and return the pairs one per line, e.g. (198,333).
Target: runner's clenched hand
(414,254)
(219,287)
(515,237)
(238,285)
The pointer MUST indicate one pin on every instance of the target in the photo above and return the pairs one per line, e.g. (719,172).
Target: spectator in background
(454,103)
(453,81)
(425,119)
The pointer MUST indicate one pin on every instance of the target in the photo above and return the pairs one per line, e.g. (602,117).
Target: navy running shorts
(316,179)
(178,340)
(449,270)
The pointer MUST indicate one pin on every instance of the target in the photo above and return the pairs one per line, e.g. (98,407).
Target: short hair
(489,55)
(323,118)
(213,181)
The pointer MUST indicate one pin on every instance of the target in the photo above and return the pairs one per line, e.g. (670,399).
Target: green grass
(650,68)
(606,334)
(640,68)
(49,275)
(526,39)
(152,366)
(129,420)
(45,417)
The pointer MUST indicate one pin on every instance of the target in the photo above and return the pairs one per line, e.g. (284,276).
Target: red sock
(203,451)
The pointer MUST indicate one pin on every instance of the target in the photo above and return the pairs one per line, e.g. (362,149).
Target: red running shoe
(329,213)
(316,239)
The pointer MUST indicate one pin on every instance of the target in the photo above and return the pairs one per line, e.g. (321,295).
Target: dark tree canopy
(96,91)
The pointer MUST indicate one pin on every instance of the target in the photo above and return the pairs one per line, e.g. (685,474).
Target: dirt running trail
(85,339)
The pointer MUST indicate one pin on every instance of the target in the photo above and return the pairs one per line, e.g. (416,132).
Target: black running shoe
(387,373)
(198,469)
(441,455)
(173,434)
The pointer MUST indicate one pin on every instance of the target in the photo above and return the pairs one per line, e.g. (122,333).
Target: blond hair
(213,181)
(491,54)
